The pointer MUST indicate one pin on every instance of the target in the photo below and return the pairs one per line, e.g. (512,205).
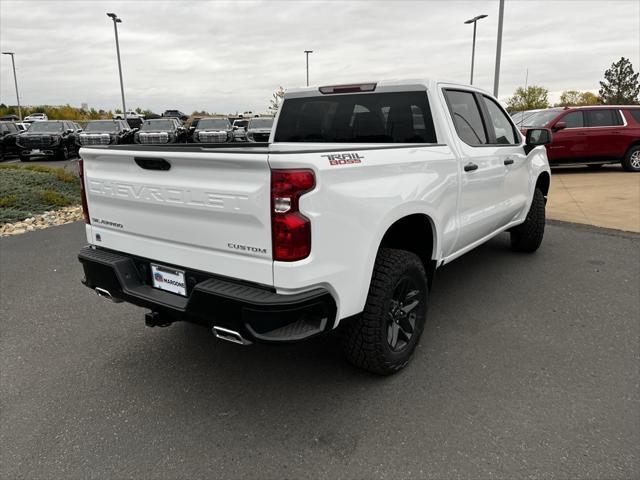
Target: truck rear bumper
(256,312)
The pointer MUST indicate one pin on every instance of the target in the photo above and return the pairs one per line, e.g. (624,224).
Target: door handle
(152,163)
(509,161)
(470,167)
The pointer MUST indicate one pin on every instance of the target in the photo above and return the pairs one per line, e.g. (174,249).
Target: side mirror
(69,130)
(538,136)
(560,126)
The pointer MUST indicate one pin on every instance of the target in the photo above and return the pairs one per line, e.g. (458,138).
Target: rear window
(635,113)
(398,117)
(605,118)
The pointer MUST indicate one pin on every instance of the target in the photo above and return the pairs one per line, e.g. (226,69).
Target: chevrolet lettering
(170,195)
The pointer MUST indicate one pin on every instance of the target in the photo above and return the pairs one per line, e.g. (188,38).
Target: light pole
(496,75)
(307,52)
(116,21)
(15,79)
(474,20)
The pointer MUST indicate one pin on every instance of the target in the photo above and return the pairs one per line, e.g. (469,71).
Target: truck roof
(386,85)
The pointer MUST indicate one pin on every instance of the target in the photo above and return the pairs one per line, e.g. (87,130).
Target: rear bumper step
(253,312)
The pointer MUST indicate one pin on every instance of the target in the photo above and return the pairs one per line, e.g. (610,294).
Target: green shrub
(52,197)
(31,190)
(8,201)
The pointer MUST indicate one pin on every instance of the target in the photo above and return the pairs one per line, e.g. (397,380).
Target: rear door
(203,209)
(605,139)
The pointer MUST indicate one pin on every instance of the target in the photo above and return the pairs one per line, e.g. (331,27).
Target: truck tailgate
(206,210)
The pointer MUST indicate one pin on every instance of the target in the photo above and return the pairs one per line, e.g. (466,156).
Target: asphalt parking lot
(528,368)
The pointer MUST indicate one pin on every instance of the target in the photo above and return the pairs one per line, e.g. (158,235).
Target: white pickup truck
(341,219)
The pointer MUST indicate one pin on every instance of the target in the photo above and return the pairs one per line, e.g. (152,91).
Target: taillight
(83,193)
(290,230)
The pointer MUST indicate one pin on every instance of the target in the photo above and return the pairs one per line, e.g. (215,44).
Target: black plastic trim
(257,312)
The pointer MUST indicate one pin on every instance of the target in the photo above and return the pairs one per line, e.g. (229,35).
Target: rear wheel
(383,337)
(631,162)
(527,237)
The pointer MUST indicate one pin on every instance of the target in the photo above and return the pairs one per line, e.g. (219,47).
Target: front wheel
(527,237)
(383,337)
(631,161)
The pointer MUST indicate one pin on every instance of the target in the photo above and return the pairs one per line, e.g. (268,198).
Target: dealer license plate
(168,279)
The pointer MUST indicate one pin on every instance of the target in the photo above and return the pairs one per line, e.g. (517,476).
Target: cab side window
(573,120)
(504,131)
(466,115)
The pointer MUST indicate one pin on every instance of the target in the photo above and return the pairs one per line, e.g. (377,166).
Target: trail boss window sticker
(343,158)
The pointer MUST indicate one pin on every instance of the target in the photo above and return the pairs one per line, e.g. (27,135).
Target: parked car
(36,117)
(288,241)
(8,134)
(175,114)
(593,135)
(259,129)
(49,138)
(161,130)
(239,128)
(105,132)
(130,114)
(212,130)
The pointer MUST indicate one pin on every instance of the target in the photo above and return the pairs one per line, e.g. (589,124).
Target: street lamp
(15,79)
(307,52)
(117,20)
(474,20)
(496,75)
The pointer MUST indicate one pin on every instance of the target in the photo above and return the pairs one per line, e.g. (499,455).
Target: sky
(231,56)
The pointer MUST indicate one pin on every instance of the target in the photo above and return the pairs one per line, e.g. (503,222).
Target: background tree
(620,85)
(570,98)
(532,98)
(276,101)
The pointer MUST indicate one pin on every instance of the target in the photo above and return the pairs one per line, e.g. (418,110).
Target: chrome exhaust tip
(104,293)
(230,336)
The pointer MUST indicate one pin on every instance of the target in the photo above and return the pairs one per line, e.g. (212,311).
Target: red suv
(592,135)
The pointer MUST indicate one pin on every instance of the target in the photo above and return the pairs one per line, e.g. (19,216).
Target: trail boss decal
(343,158)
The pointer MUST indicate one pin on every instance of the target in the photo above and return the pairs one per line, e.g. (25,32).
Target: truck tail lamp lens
(83,193)
(290,230)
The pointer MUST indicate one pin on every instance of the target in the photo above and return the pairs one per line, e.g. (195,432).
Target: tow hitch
(156,319)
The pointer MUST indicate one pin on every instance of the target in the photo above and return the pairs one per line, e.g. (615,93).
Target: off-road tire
(527,237)
(364,338)
(631,161)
